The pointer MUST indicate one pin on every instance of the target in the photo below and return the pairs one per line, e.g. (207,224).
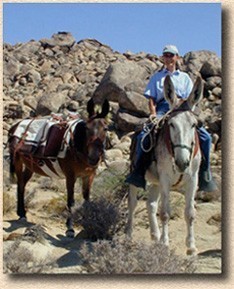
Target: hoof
(192,252)
(22,219)
(70,233)
(155,237)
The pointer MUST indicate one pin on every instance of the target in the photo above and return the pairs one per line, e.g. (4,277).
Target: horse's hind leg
(190,217)
(152,206)
(132,203)
(23,176)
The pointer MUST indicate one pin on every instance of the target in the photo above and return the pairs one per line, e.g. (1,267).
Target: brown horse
(84,152)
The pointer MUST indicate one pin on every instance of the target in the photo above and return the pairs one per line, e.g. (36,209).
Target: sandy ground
(64,250)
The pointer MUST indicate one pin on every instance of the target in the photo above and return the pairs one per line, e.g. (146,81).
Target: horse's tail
(12,155)
(12,168)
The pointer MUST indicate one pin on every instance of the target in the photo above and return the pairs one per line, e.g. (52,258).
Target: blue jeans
(205,144)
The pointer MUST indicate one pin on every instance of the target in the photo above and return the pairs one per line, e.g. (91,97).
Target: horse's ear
(105,109)
(90,107)
(169,91)
(196,93)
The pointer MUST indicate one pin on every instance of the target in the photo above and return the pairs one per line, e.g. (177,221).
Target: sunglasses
(170,55)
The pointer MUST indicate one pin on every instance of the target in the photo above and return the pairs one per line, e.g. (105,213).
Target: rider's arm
(152,106)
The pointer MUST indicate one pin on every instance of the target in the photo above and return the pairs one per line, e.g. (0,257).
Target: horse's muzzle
(93,161)
(181,165)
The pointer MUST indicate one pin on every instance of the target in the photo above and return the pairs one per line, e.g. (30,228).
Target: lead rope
(152,124)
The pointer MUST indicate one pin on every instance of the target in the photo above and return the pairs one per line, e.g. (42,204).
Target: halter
(92,140)
(170,145)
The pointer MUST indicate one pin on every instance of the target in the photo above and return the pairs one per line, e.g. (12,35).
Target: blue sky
(136,27)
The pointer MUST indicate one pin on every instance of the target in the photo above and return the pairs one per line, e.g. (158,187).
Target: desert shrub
(105,215)
(34,234)
(55,185)
(9,203)
(123,256)
(18,259)
(56,207)
(100,219)
(110,186)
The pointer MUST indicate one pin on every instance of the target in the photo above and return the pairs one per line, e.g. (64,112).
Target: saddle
(53,141)
(43,137)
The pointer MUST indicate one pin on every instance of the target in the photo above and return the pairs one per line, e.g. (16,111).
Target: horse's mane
(80,136)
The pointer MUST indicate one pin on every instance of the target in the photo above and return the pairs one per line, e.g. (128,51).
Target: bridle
(193,149)
(99,142)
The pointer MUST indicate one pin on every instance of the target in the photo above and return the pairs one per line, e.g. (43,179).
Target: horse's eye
(172,125)
(193,125)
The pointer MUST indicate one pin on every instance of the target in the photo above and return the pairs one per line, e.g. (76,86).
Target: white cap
(171,49)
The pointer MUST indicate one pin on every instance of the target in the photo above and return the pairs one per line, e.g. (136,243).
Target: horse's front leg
(132,203)
(190,216)
(70,183)
(165,211)
(86,186)
(152,206)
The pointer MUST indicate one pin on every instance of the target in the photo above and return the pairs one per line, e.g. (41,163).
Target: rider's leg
(137,176)
(206,182)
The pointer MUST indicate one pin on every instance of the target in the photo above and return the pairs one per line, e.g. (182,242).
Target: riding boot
(137,176)
(206,181)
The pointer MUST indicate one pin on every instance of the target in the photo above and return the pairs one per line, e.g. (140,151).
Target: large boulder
(211,68)
(62,39)
(117,77)
(50,103)
(193,62)
(127,122)
(135,103)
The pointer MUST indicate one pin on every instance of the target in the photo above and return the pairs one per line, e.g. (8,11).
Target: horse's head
(96,129)
(181,124)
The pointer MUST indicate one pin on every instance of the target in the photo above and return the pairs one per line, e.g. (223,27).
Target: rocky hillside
(60,74)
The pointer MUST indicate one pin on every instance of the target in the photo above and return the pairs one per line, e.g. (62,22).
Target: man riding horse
(158,107)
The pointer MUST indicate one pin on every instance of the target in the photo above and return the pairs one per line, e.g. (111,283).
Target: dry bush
(110,186)
(128,257)
(100,219)
(56,207)
(55,185)
(34,234)
(104,216)
(9,203)
(18,259)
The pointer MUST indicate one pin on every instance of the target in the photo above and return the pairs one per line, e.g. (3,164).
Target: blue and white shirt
(182,83)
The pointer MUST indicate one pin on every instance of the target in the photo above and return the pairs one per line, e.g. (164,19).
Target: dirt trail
(65,251)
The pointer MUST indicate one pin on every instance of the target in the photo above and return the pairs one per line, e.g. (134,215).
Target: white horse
(177,160)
